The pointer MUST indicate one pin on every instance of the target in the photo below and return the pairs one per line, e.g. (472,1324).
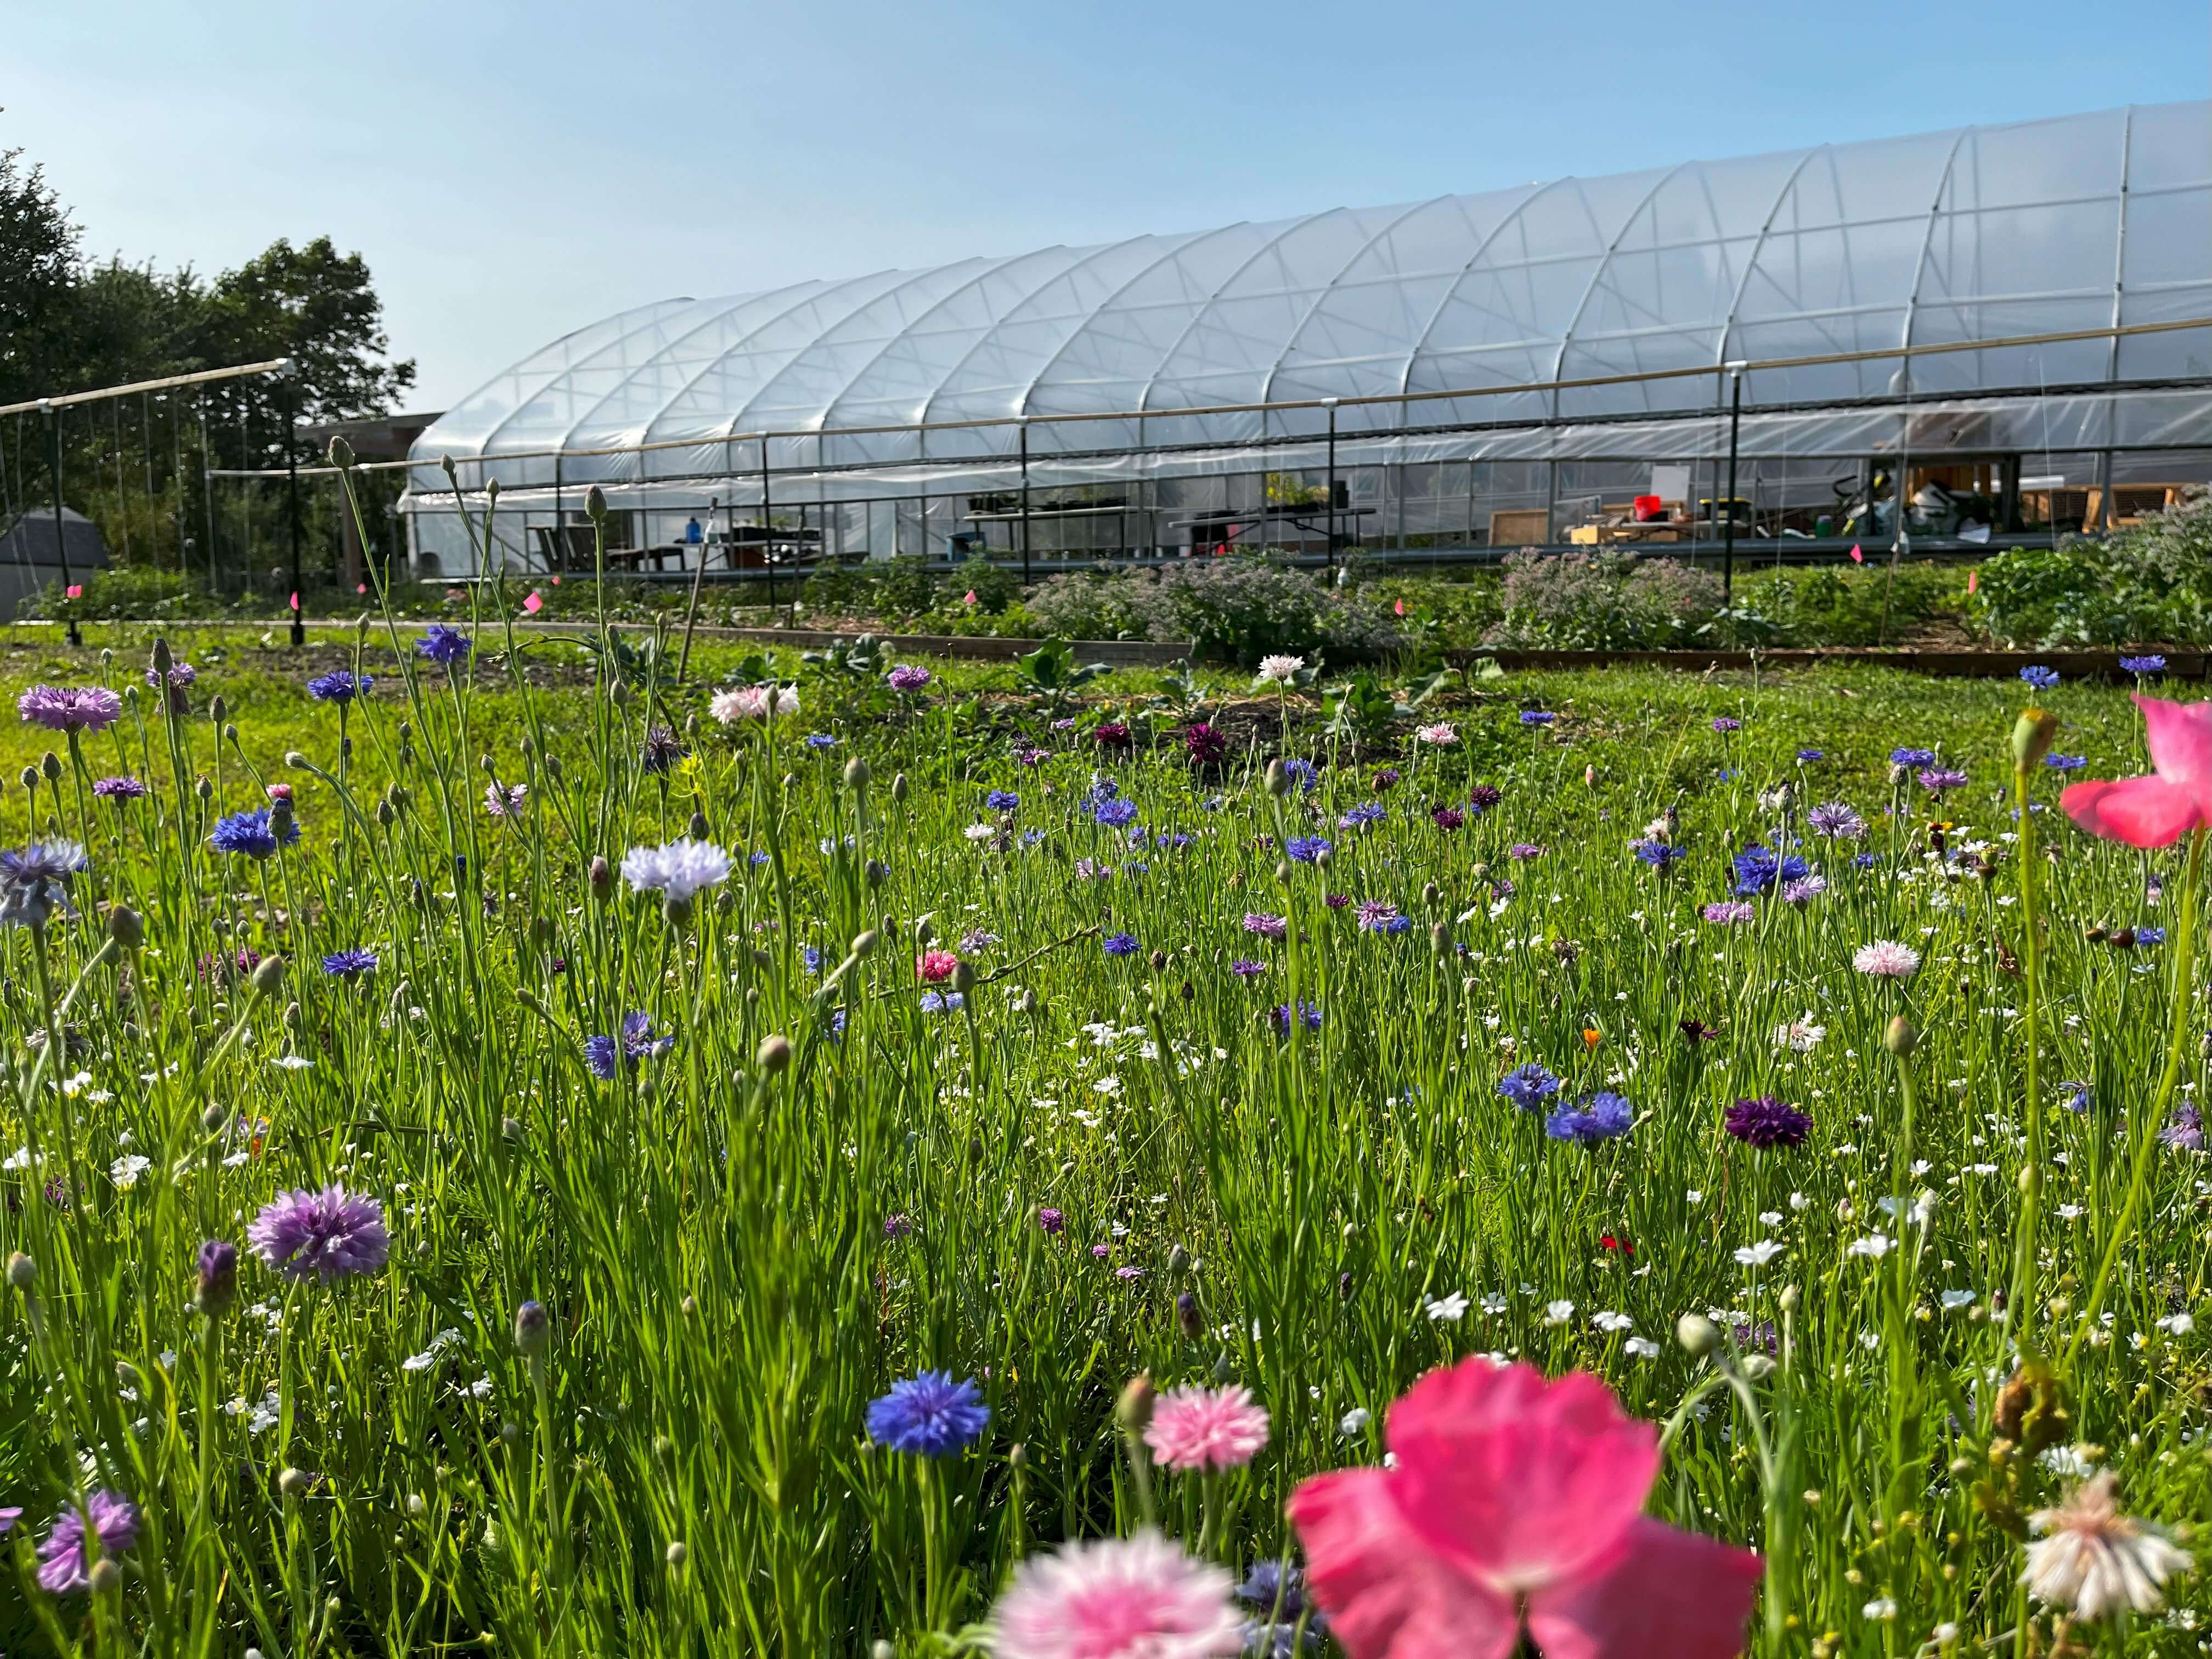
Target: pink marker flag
(74,590)
(1399,607)
(1857,557)
(296,601)
(969,597)
(360,587)
(533,605)
(1973,581)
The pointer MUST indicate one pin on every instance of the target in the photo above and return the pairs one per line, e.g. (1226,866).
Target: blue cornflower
(2040,677)
(1537,717)
(813,958)
(1103,787)
(662,749)
(929,1415)
(1604,1116)
(2150,936)
(1865,862)
(756,860)
(1309,1016)
(345,964)
(1119,944)
(1912,757)
(2153,664)
(1359,816)
(441,644)
(1758,868)
(1113,813)
(250,833)
(1032,837)
(1177,839)
(1002,800)
(1212,803)
(603,1055)
(1659,854)
(942,1002)
(1302,771)
(1809,755)
(2079,1097)
(1304,849)
(2058,762)
(1528,1086)
(820,740)
(340,686)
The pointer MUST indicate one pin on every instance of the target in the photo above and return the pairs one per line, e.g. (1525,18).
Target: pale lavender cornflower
(504,800)
(1804,889)
(65,1558)
(122,788)
(1837,821)
(1887,959)
(1729,912)
(332,1234)
(1271,927)
(679,870)
(70,709)
(1375,915)
(1936,779)
(34,880)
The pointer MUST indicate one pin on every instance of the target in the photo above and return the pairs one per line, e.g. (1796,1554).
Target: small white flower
(1354,1420)
(1448,1309)
(1559,1312)
(1954,1300)
(1759,1255)
(1641,1347)
(293,1062)
(1493,1303)
(2179,1324)
(1881,1607)
(1610,1320)
(1769,1218)
(1279,671)
(1800,1036)
(125,1171)
(1873,1244)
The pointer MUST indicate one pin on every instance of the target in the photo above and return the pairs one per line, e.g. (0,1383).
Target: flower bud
(51,767)
(1698,1334)
(23,1272)
(294,1483)
(595,505)
(875,873)
(30,778)
(602,878)
(1279,778)
(1789,1298)
(217,1288)
(775,1053)
(532,1329)
(697,828)
(214,1119)
(863,944)
(677,1555)
(1133,1410)
(205,790)
(856,773)
(1757,1367)
(124,926)
(1901,1039)
(2031,736)
(675,911)
(341,452)
(899,786)
(268,976)
(104,1575)
(1189,1317)
(963,978)
(218,710)
(163,660)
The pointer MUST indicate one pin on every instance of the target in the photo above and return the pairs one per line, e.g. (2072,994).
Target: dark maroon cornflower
(1206,744)
(1384,781)
(1447,818)
(1764,1121)
(1696,1030)
(1483,797)
(215,967)
(332,1234)
(1110,734)
(1050,1220)
(1337,901)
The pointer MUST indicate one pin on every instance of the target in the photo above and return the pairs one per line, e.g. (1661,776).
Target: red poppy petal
(1673,1595)
(1386,1595)
(2146,812)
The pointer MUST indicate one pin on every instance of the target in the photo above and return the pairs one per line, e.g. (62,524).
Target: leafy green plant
(1050,676)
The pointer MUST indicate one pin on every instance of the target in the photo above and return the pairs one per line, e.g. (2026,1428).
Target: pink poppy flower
(936,966)
(2159,808)
(1116,1598)
(1516,1503)
(1196,1428)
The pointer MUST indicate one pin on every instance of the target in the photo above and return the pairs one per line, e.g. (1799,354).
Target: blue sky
(514,171)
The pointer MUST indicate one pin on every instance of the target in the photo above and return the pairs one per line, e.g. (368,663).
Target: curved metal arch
(1268,386)
(2120,241)
(1920,265)
(1420,340)
(1758,247)
(1021,408)
(830,406)
(1145,399)
(643,313)
(1604,265)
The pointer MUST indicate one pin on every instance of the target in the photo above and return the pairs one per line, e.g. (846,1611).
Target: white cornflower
(979,831)
(1640,1347)
(1759,1255)
(125,1171)
(1873,1244)
(1278,670)
(1449,1309)
(1354,1420)
(1954,1300)
(2096,1560)
(1800,1036)
(753,703)
(1887,959)
(679,870)
(1610,1320)
(1559,1312)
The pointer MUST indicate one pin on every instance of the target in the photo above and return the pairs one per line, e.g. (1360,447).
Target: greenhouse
(2007,328)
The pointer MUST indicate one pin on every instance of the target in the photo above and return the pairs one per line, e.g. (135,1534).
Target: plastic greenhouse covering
(1169,376)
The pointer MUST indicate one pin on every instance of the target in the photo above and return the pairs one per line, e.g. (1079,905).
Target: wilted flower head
(327,1235)
(1139,1597)
(70,709)
(1207,1429)
(930,1414)
(2096,1561)
(65,1558)
(1764,1121)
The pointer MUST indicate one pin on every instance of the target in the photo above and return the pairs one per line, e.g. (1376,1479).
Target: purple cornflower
(327,1235)
(1804,889)
(65,1558)
(446,646)
(2153,664)
(1245,967)
(1384,781)
(929,1415)
(2184,1130)
(1050,1220)
(1361,816)
(1936,779)
(341,686)
(602,1054)
(33,879)
(2040,677)
(1002,800)
(1727,723)
(180,675)
(2058,762)
(1837,821)
(1912,757)
(1119,944)
(898,1226)
(504,800)
(1537,717)
(1126,1274)
(1528,1086)
(218,1279)
(662,749)
(976,940)
(1483,797)
(905,677)
(1259,922)
(1447,818)
(1659,854)
(119,789)
(70,709)
(252,833)
(1604,1116)
(1304,849)
(1205,744)
(1729,912)
(1764,1121)
(350,964)
(1309,1016)
(1375,915)
(1523,850)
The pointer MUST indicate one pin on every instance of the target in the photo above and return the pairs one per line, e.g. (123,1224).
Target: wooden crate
(1520,526)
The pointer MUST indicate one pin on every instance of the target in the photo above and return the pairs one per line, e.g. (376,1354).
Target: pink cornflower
(1887,959)
(1515,1505)
(1443,735)
(2097,1561)
(935,967)
(2160,807)
(1729,912)
(1272,926)
(1116,1598)
(1208,1429)
(279,791)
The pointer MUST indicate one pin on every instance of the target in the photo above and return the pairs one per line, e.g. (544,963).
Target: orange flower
(1591,1037)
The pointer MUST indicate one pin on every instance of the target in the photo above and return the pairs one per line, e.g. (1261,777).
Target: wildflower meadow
(566,1143)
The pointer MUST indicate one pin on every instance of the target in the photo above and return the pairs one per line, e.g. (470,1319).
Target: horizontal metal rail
(200,377)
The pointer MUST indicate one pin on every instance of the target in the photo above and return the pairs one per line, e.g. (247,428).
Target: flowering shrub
(1603,601)
(1247,606)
